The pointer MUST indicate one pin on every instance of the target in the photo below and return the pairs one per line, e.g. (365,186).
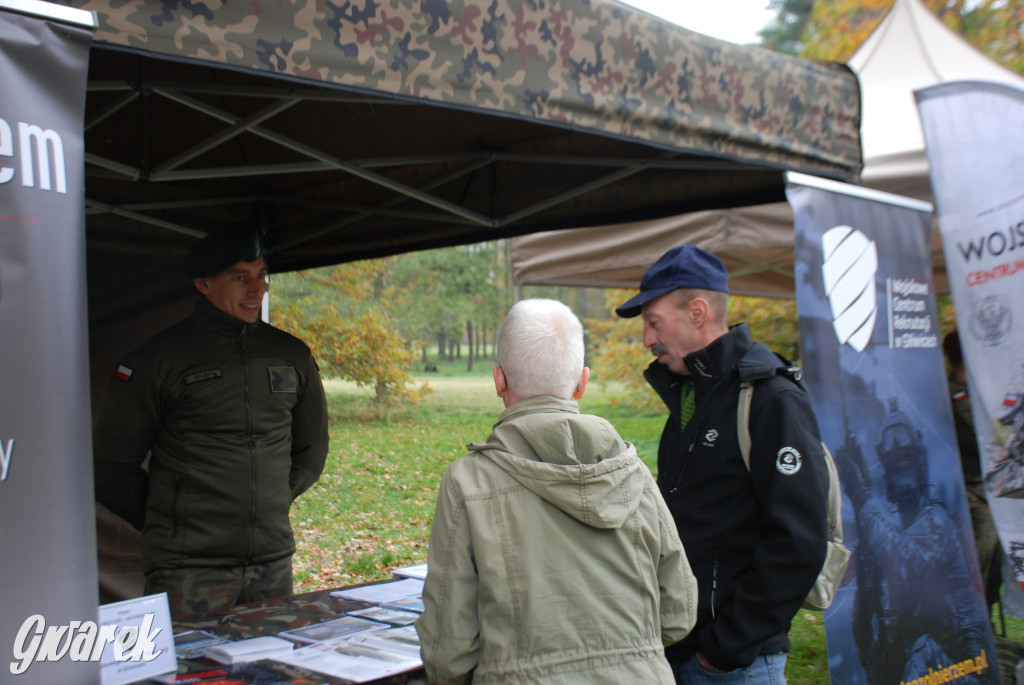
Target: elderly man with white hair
(553,558)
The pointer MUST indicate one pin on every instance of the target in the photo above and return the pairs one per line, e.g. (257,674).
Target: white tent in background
(911,48)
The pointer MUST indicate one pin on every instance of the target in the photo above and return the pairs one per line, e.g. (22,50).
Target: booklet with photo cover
(251,649)
(385,614)
(354,662)
(332,630)
(402,640)
(193,643)
(417,571)
(405,604)
(378,593)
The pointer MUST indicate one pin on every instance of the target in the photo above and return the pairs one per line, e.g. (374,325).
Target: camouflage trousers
(201,589)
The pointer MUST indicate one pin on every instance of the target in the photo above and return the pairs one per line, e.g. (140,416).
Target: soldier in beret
(232,414)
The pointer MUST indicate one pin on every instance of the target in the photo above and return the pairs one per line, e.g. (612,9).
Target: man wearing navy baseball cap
(756,537)
(233,416)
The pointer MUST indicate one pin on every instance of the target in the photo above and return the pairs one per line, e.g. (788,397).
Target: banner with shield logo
(910,609)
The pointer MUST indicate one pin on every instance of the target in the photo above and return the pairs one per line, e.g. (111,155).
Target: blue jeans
(768,669)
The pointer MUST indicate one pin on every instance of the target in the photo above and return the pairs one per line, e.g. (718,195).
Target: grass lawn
(371,510)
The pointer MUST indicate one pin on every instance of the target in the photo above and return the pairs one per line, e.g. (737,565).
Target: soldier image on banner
(1004,474)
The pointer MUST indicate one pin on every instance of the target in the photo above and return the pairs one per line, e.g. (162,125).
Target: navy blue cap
(684,266)
(221,250)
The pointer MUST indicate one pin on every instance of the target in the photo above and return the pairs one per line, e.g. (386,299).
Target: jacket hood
(577,462)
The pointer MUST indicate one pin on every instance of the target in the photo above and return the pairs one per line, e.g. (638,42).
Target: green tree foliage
(617,353)
(772,321)
(370,321)
(346,315)
(995,27)
(783,33)
(453,293)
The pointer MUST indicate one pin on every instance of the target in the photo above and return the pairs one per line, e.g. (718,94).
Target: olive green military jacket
(553,559)
(235,419)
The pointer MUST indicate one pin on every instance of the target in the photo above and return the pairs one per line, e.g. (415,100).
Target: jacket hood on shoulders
(577,462)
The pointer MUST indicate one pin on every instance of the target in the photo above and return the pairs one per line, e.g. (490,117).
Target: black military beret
(220,250)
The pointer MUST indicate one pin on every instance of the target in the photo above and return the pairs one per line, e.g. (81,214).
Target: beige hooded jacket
(553,559)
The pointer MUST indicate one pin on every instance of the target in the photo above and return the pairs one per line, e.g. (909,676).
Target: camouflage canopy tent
(909,49)
(365,128)
(370,127)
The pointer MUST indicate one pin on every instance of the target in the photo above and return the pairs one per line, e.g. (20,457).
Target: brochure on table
(332,630)
(193,643)
(380,593)
(350,660)
(386,614)
(251,649)
(401,640)
(418,571)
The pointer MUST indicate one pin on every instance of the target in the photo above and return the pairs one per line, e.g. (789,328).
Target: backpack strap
(743,420)
(757,364)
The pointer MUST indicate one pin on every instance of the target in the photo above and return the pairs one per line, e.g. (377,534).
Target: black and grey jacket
(756,540)
(235,418)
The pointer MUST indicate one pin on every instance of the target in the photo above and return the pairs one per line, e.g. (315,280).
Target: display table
(270,618)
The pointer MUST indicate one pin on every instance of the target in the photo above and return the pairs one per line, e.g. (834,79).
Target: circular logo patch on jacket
(788,461)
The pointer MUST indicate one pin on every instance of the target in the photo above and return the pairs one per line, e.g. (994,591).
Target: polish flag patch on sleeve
(123,373)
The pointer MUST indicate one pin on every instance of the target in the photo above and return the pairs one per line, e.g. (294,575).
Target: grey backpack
(837,556)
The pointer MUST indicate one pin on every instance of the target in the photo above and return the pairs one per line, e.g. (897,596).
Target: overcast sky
(736,21)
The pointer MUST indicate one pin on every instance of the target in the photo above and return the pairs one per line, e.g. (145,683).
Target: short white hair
(540,349)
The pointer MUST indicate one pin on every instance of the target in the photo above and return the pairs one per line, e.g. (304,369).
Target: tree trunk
(469,344)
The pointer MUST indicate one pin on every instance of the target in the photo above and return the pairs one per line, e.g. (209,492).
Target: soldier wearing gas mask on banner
(908,553)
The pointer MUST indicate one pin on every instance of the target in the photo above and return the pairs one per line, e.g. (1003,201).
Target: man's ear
(201,285)
(500,384)
(581,387)
(697,312)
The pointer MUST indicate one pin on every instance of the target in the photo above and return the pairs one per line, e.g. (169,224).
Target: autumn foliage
(345,315)
(617,353)
(836,29)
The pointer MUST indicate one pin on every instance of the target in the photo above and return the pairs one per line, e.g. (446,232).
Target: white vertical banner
(974,137)
(47,530)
